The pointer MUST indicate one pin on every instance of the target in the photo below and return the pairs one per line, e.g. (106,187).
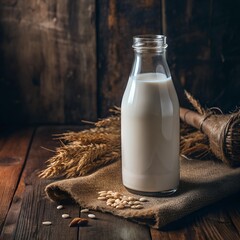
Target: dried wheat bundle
(84,152)
(193,143)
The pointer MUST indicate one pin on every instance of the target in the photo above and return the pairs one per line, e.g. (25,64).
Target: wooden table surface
(24,205)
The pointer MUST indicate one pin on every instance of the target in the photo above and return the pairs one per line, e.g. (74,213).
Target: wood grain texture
(36,208)
(118,22)
(219,221)
(109,227)
(30,206)
(186,230)
(14,146)
(48,61)
(218,225)
(204,55)
(189,52)
(63,61)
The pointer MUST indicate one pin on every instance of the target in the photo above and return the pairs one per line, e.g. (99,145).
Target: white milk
(150,134)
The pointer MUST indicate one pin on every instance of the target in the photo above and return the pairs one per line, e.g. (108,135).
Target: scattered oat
(120,201)
(111,200)
(131,198)
(137,206)
(102,198)
(133,207)
(117,200)
(91,215)
(47,223)
(116,195)
(143,199)
(103,195)
(120,206)
(102,192)
(84,210)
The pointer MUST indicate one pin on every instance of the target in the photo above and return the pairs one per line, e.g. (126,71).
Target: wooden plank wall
(118,22)
(205,52)
(63,61)
(48,61)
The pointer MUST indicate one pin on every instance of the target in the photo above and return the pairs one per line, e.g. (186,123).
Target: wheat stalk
(86,151)
(195,103)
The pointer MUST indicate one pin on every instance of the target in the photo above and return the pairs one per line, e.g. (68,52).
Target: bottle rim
(149,42)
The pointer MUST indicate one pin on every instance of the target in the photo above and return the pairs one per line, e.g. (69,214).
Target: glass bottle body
(150,122)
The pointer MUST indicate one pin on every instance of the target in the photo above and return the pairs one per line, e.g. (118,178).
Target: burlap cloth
(202,183)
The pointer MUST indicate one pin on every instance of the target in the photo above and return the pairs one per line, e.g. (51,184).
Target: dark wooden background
(63,61)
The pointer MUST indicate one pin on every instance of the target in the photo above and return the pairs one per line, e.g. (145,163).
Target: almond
(83,222)
(76,222)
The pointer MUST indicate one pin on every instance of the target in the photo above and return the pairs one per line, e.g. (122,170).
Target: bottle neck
(150,62)
(150,54)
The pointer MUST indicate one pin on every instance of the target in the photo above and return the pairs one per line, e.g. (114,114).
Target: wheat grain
(195,103)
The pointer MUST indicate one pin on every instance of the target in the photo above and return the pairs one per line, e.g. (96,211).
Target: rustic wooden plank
(30,206)
(203,49)
(215,222)
(221,221)
(36,208)
(177,234)
(218,226)
(187,27)
(118,22)
(218,221)
(184,229)
(234,215)
(225,37)
(108,227)
(14,144)
(48,61)
(25,215)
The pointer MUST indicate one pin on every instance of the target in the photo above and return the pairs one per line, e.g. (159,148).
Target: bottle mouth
(149,42)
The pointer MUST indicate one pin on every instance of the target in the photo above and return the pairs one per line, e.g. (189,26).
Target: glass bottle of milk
(150,122)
